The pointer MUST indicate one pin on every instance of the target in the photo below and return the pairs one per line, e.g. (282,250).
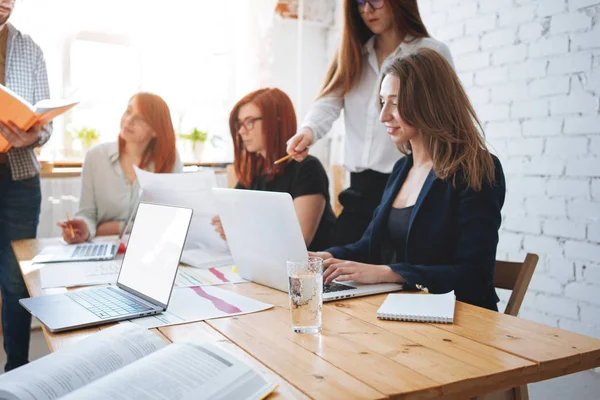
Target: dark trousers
(359,201)
(19,215)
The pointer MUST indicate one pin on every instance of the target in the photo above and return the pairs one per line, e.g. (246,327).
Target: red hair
(161,150)
(279,125)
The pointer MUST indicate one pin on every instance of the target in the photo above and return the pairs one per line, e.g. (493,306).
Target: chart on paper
(188,276)
(198,303)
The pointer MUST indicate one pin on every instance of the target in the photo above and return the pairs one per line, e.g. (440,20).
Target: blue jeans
(19,216)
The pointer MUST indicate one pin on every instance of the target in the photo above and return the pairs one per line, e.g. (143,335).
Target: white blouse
(106,194)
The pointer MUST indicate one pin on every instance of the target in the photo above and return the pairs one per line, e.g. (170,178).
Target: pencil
(285,158)
(70,227)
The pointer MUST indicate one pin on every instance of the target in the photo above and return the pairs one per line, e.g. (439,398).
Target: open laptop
(263,232)
(101,251)
(145,280)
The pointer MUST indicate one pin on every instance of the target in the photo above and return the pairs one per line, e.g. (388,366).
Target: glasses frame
(248,123)
(361,7)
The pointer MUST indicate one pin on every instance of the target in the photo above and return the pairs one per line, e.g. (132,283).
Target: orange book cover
(18,110)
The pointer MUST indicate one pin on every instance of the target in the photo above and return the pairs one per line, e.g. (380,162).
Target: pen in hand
(285,158)
(70,227)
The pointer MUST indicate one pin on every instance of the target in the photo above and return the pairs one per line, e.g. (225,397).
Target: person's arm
(88,209)
(309,209)
(317,123)
(322,114)
(41,91)
(477,239)
(109,228)
(358,251)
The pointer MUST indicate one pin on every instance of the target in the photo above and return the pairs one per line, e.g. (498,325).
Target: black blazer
(452,236)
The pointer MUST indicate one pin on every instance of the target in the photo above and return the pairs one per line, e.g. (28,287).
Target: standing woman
(374,31)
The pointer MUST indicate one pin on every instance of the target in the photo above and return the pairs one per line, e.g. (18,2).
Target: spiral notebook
(438,308)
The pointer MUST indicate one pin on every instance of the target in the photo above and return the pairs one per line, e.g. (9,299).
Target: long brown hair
(346,67)
(279,125)
(162,149)
(432,100)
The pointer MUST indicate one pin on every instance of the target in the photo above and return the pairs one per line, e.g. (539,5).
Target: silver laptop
(82,252)
(145,280)
(263,232)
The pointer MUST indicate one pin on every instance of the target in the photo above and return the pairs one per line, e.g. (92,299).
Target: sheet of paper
(68,369)
(85,273)
(193,190)
(200,303)
(205,258)
(187,276)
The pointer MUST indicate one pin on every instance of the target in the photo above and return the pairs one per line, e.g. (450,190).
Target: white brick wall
(532,69)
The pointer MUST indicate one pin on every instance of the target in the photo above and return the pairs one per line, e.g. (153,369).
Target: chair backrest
(338,175)
(231,177)
(515,276)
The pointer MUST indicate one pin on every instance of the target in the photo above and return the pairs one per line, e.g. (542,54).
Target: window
(199,56)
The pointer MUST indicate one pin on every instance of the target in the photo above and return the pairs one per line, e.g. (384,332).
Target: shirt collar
(369,46)
(113,151)
(12,31)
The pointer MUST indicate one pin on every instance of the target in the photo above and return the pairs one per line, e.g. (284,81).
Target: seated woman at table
(109,190)
(261,123)
(437,224)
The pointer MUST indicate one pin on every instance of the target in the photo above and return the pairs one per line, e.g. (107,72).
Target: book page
(46,111)
(180,372)
(60,373)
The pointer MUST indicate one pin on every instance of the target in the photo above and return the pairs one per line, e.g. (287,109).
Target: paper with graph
(200,303)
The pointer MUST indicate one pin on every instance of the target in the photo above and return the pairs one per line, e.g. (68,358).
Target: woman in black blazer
(437,224)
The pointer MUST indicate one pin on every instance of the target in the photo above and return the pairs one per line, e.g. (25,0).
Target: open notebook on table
(129,362)
(419,307)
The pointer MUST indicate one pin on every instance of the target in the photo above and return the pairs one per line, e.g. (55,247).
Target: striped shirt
(25,74)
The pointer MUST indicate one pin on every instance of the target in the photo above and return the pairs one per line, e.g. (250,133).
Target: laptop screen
(152,257)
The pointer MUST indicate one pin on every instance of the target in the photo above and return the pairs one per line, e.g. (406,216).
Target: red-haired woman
(261,123)
(374,31)
(109,191)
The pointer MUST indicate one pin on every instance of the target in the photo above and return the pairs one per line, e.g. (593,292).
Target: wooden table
(358,356)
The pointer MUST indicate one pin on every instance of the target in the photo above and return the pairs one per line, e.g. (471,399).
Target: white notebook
(419,307)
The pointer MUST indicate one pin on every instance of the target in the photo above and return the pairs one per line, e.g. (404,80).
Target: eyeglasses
(248,123)
(375,4)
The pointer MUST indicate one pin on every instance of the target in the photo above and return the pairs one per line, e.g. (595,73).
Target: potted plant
(197,138)
(87,136)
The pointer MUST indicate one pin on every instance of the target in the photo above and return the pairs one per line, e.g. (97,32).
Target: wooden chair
(231,177)
(337,174)
(513,276)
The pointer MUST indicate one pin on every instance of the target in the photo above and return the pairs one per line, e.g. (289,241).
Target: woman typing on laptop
(261,124)
(437,224)
(109,191)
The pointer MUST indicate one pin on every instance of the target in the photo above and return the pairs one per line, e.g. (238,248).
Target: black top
(301,179)
(397,230)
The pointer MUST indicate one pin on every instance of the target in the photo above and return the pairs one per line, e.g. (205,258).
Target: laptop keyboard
(336,287)
(107,302)
(92,250)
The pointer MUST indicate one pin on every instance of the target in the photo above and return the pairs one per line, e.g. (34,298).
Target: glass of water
(305,285)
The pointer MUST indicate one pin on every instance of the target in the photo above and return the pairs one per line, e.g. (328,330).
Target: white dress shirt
(368,145)
(106,194)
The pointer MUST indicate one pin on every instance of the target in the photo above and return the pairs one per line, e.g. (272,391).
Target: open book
(128,362)
(18,110)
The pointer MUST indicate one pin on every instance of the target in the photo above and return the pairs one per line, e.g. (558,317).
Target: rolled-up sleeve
(323,113)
